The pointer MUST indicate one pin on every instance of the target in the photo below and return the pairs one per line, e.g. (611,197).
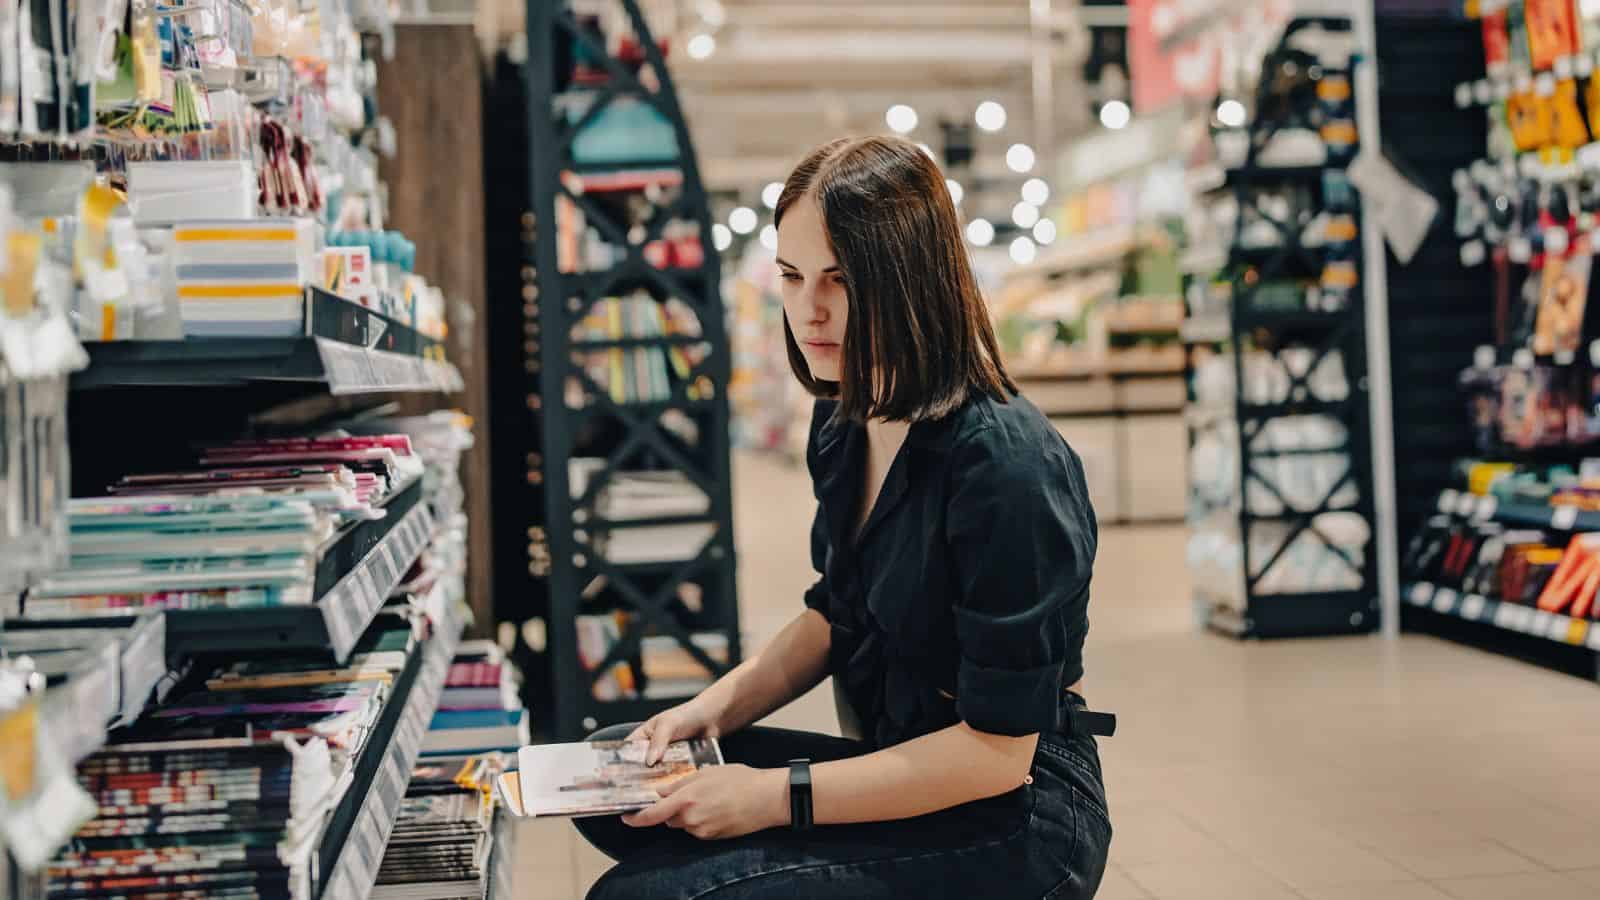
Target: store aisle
(1314,769)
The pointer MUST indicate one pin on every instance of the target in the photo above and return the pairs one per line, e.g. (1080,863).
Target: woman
(954,540)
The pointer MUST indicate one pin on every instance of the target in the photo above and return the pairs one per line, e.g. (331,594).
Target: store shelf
(1291,319)
(1290,615)
(354,578)
(346,347)
(1292,408)
(604,284)
(1484,508)
(357,833)
(629,343)
(109,685)
(1212,329)
(116,677)
(1271,176)
(604,178)
(1103,248)
(1513,617)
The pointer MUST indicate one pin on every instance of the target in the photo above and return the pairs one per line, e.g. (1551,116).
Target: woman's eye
(791,276)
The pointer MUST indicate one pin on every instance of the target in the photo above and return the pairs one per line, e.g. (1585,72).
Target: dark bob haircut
(918,341)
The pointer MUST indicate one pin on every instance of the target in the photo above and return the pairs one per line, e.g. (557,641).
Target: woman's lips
(822,346)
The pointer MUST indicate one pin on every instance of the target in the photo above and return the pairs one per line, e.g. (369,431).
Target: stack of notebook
(244,277)
(439,848)
(223,789)
(244,527)
(479,711)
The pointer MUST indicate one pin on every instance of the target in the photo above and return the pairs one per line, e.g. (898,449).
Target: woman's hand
(680,723)
(720,802)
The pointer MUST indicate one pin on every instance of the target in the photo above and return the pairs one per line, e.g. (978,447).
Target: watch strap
(800,810)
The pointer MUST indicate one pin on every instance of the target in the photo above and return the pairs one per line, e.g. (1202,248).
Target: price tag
(1563,518)
(1582,65)
(1504,616)
(1520,250)
(1472,606)
(1545,85)
(1542,623)
(1463,95)
(1563,68)
(1525,619)
(1522,82)
(1487,507)
(1577,630)
(1466,504)
(1447,500)
(1500,91)
(1594,638)
(1421,593)
(1444,601)
(1473,254)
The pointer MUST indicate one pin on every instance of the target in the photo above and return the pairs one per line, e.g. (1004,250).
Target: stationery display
(441,845)
(480,710)
(226,785)
(644,374)
(247,528)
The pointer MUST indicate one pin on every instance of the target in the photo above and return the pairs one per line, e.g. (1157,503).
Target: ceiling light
(1115,115)
(901,118)
(1035,191)
(1024,214)
(956,190)
(771,194)
(1044,232)
(721,237)
(991,116)
(980,232)
(769,237)
(1020,158)
(701,46)
(1231,113)
(742,220)
(1023,251)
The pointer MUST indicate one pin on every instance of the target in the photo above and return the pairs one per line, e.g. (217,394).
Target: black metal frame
(561,299)
(1279,615)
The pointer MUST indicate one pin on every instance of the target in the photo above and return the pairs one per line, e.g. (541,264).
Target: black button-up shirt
(965,596)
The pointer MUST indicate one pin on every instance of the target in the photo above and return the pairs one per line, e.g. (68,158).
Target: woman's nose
(817,309)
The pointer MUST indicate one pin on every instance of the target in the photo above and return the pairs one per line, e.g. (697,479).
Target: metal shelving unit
(353,842)
(1259,329)
(561,565)
(346,349)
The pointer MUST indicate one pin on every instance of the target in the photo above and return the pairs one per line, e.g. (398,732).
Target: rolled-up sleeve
(1022,540)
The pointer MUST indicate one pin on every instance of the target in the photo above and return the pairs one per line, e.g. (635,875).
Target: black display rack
(561,564)
(1261,329)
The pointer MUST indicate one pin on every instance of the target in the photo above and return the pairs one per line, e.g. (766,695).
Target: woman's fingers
(660,737)
(641,733)
(661,811)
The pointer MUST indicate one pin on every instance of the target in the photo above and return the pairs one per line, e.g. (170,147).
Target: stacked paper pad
(244,277)
(479,710)
(222,791)
(440,846)
(245,527)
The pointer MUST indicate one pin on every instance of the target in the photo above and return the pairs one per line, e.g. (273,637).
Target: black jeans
(1047,839)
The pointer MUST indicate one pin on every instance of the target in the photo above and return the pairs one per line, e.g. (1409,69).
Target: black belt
(1077,718)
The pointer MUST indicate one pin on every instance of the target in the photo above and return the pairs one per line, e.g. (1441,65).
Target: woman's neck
(884,436)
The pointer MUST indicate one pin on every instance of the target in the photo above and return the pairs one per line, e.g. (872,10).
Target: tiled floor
(1348,769)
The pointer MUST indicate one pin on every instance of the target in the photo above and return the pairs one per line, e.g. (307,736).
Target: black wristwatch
(800,794)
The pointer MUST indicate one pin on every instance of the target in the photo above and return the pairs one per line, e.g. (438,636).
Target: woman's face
(814,298)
